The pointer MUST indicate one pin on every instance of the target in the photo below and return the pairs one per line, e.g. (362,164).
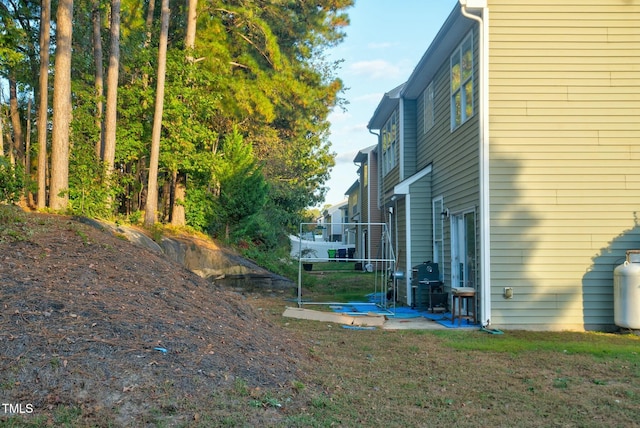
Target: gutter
(480,14)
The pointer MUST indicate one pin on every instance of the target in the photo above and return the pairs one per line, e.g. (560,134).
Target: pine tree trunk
(27,155)
(152,191)
(27,141)
(178,217)
(1,136)
(99,77)
(16,124)
(59,197)
(112,89)
(149,21)
(190,35)
(43,102)
(178,191)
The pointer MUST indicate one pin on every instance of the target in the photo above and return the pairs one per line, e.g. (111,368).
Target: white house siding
(565,158)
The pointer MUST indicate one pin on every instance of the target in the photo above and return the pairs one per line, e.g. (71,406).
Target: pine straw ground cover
(82,313)
(100,332)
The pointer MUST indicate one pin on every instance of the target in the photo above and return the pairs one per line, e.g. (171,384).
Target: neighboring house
(353,215)
(511,157)
(369,232)
(334,228)
(347,237)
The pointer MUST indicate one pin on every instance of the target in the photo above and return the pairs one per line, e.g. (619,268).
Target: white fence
(313,249)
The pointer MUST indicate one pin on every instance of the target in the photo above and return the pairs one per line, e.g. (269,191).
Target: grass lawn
(340,282)
(402,378)
(425,378)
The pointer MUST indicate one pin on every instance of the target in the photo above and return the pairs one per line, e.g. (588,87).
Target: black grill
(427,287)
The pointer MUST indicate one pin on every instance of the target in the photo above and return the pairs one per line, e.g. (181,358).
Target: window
(365,175)
(389,143)
(429,108)
(461,67)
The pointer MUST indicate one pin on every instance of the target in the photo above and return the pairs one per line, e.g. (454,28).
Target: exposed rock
(132,234)
(203,257)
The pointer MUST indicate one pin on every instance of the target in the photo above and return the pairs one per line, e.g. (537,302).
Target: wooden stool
(468,295)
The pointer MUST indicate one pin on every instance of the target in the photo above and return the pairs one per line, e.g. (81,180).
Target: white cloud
(339,116)
(357,127)
(375,69)
(346,158)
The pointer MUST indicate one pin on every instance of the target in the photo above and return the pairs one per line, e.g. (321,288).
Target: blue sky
(384,43)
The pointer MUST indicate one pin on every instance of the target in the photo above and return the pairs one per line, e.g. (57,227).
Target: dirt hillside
(93,322)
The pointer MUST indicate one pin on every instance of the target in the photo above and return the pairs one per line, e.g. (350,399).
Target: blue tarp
(402,312)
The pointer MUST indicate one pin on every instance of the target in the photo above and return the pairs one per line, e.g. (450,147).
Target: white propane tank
(626,295)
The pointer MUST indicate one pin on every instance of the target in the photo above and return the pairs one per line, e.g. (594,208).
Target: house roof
(363,154)
(353,187)
(440,49)
(403,187)
(388,103)
(449,36)
(336,207)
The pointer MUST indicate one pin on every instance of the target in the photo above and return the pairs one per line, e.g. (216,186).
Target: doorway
(463,250)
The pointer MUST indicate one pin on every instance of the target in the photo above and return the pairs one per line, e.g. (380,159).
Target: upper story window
(429,108)
(390,137)
(365,175)
(461,67)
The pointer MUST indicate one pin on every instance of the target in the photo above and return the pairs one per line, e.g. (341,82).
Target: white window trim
(429,108)
(463,116)
(389,147)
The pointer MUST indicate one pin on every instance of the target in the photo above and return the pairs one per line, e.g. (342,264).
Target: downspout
(369,186)
(369,201)
(485,234)
(407,201)
(380,200)
(401,138)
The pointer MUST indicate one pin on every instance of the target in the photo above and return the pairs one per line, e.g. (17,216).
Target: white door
(463,250)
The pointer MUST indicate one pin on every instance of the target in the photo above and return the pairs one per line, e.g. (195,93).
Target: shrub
(11,181)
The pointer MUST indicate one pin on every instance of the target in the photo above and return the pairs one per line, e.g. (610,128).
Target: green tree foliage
(19,40)
(11,181)
(89,193)
(279,89)
(245,121)
(190,141)
(242,187)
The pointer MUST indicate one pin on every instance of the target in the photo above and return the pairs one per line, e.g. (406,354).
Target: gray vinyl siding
(399,235)
(364,195)
(375,216)
(452,154)
(409,144)
(391,178)
(421,221)
(565,152)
